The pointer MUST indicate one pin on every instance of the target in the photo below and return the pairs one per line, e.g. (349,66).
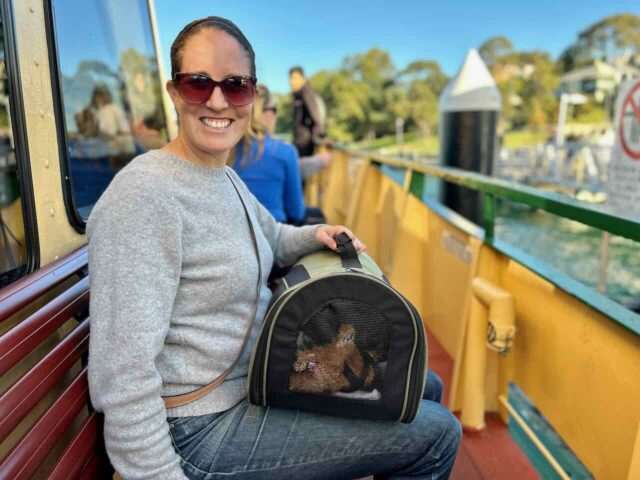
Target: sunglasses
(196,88)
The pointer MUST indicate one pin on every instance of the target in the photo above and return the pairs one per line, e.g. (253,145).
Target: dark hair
(295,69)
(217,23)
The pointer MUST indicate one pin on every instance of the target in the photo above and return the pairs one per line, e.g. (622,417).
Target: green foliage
(605,40)
(415,143)
(525,138)
(367,94)
(494,49)
(528,82)
(590,112)
(284,124)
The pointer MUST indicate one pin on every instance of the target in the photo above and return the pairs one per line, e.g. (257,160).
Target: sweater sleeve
(293,198)
(135,262)
(309,166)
(287,242)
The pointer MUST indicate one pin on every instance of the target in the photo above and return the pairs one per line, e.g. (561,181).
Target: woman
(269,167)
(175,318)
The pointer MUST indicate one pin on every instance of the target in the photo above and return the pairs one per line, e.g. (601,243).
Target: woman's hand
(325,235)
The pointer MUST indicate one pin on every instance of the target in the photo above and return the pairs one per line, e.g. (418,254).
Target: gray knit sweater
(173,286)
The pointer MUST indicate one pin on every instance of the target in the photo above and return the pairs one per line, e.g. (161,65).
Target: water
(566,245)
(572,248)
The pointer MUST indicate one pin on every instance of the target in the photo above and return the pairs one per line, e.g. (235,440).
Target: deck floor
(489,454)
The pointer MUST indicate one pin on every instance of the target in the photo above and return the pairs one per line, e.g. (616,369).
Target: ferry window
(111,91)
(13,250)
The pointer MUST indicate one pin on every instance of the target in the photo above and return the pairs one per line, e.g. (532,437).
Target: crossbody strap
(180,400)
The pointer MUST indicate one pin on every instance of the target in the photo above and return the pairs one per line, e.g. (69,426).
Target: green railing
(554,203)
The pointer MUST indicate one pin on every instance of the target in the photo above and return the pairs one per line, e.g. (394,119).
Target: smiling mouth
(217,124)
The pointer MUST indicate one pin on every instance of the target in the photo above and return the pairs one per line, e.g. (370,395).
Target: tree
(424,82)
(366,95)
(527,82)
(606,40)
(373,72)
(284,123)
(347,103)
(495,48)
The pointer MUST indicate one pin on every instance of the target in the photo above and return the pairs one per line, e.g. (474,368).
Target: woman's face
(209,130)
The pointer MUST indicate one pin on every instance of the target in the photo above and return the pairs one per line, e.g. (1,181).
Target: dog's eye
(312,365)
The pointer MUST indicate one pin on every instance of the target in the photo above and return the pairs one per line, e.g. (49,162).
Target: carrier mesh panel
(342,350)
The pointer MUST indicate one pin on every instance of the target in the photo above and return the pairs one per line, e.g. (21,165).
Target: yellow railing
(576,364)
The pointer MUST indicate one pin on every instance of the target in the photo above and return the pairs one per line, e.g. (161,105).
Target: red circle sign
(630,146)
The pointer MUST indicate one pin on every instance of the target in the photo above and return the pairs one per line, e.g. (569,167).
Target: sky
(318,34)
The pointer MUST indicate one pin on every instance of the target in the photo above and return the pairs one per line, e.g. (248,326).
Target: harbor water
(565,245)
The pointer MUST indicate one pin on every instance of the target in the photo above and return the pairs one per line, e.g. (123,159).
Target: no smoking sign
(623,178)
(629,123)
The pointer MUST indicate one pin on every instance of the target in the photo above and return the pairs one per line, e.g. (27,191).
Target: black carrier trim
(419,369)
(296,275)
(19,127)
(299,307)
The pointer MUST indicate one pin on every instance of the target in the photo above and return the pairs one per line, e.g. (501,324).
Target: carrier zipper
(410,373)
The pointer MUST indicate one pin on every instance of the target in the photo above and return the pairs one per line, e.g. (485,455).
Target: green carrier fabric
(339,339)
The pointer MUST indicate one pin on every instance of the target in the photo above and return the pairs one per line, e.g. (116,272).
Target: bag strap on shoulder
(184,399)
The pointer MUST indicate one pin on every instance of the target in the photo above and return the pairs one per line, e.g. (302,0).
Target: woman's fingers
(360,247)
(326,234)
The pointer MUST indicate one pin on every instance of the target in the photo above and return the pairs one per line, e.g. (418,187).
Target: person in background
(268,166)
(308,124)
(102,118)
(310,165)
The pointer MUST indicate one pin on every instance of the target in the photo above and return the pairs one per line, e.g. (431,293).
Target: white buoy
(469,110)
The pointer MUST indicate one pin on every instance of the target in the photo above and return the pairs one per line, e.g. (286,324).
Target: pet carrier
(339,339)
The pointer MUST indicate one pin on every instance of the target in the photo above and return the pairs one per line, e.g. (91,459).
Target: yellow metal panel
(56,236)
(335,195)
(365,223)
(634,469)
(408,274)
(389,210)
(581,371)
(577,366)
(448,273)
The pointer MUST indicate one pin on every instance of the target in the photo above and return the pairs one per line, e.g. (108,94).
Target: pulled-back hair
(217,23)
(257,130)
(296,69)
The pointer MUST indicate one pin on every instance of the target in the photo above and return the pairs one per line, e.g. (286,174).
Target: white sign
(623,184)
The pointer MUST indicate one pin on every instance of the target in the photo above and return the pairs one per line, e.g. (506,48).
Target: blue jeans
(250,442)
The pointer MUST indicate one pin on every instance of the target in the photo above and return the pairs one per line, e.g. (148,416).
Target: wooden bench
(46,418)
(45,413)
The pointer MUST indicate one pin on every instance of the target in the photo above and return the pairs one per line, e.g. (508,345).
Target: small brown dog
(324,369)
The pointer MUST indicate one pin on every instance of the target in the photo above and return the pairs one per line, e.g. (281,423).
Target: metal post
(604,262)
(469,110)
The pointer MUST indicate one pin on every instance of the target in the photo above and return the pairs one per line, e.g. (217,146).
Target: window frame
(71,208)
(61,122)
(21,144)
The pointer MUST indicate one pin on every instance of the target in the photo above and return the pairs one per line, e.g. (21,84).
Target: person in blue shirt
(269,166)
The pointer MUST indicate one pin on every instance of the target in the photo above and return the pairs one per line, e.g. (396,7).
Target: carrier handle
(347,251)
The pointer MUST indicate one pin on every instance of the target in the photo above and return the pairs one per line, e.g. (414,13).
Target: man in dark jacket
(308,124)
